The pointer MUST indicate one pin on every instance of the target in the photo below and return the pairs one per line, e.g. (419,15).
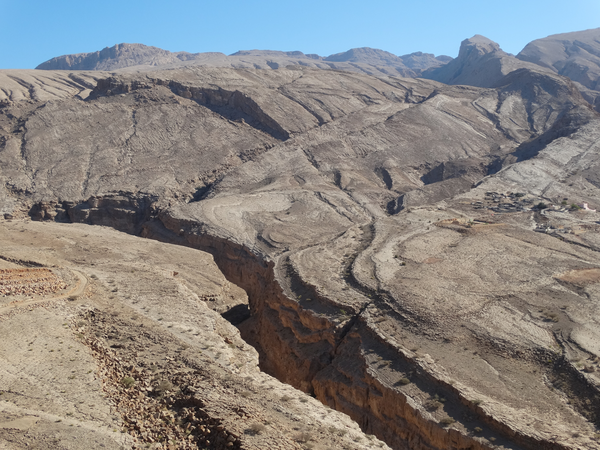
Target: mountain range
(138,56)
(480,62)
(412,241)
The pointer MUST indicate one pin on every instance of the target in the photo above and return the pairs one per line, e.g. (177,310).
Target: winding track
(78,289)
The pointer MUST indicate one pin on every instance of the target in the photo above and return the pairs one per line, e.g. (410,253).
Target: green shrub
(127,382)
(164,385)
(257,428)
(447,421)
(433,405)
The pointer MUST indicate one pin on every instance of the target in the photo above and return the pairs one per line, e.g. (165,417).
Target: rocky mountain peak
(116,57)
(480,62)
(366,55)
(477,46)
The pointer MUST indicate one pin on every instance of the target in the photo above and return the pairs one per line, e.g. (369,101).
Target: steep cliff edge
(355,360)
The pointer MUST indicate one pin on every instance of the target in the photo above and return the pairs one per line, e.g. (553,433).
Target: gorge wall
(338,356)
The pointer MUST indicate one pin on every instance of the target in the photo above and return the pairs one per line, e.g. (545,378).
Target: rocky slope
(480,62)
(19,85)
(134,354)
(574,55)
(385,230)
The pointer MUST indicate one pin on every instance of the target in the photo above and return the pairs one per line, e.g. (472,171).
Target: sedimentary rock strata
(410,253)
(138,359)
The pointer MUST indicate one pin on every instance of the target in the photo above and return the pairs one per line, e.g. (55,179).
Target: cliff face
(353,361)
(128,353)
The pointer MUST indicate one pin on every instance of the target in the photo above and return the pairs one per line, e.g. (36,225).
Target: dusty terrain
(134,356)
(413,254)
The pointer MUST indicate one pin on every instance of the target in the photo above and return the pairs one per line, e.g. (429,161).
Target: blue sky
(33,31)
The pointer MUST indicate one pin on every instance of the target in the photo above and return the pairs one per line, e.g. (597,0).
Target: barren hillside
(135,57)
(419,256)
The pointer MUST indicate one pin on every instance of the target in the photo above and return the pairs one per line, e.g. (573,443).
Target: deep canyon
(406,248)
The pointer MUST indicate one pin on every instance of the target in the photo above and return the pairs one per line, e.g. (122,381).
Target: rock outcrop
(480,62)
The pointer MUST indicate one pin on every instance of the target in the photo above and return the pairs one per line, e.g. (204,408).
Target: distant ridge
(119,56)
(416,60)
(139,57)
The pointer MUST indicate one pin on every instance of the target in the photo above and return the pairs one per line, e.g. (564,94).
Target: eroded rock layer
(415,255)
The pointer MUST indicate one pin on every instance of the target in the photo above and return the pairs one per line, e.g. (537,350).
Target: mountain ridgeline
(481,62)
(139,57)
